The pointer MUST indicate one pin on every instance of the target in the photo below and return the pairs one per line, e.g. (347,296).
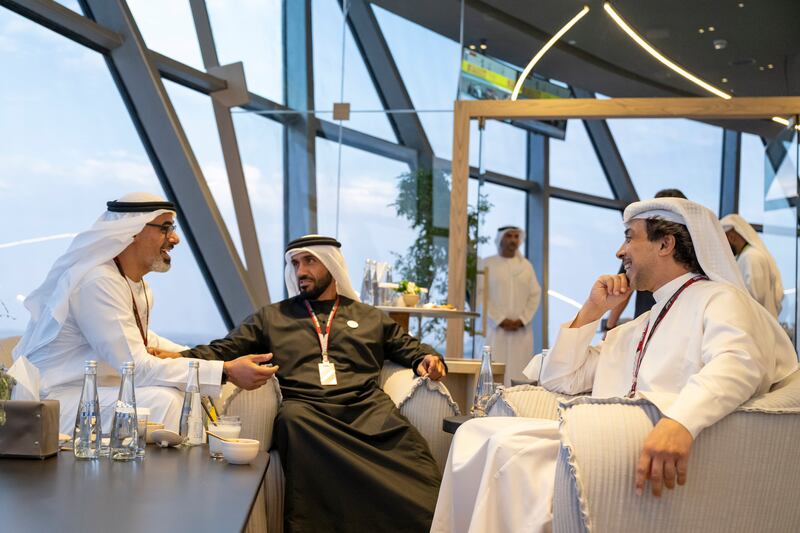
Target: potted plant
(6,384)
(409,291)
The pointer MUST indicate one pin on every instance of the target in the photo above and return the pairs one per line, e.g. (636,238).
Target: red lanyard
(142,330)
(323,338)
(642,347)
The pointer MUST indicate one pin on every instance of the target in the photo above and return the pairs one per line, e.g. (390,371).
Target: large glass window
(583,243)
(168,28)
(359,90)
(251,32)
(506,207)
(60,166)
(260,144)
(574,164)
(751,179)
(672,153)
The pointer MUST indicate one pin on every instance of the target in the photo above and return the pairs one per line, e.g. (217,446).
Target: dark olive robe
(352,461)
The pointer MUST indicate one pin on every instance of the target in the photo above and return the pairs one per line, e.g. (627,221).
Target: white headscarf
(501,232)
(749,234)
(710,244)
(106,239)
(332,258)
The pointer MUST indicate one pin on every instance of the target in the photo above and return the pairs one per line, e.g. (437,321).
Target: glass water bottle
(124,428)
(87,435)
(485,385)
(191,427)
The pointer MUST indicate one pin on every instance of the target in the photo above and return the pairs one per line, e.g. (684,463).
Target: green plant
(423,198)
(6,384)
(407,287)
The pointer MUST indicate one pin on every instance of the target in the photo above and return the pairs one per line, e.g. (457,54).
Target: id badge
(327,374)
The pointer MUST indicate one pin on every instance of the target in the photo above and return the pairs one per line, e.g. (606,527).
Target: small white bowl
(239,451)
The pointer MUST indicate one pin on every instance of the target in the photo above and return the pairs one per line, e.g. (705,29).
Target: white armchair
(744,473)
(424,402)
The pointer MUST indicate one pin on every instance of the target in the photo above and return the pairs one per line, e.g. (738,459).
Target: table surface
(170,489)
(430,313)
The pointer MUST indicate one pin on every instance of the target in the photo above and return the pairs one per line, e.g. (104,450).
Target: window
(60,166)
(751,178)
(672,153)
(574,164)
(580,251)
(168,28)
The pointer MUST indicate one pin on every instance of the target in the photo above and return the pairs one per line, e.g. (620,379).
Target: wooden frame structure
(577,108)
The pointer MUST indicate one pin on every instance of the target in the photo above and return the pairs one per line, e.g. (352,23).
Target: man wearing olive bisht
(352,461)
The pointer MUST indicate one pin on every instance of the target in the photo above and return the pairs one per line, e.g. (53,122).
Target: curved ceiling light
(656,54)
(785,123)
(545,48)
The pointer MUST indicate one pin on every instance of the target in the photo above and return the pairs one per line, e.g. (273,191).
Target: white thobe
(759,278)
(715,349)
(514,293)
(100,326)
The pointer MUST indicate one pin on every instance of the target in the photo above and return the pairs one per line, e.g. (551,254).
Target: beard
(160,264)
(320,286)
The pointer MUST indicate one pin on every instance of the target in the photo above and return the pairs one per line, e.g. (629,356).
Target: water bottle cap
(128,365)
(92,364)
(194,363)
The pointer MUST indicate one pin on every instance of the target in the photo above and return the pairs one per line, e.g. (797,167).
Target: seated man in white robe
(759,269)
(95,305)
(704,348)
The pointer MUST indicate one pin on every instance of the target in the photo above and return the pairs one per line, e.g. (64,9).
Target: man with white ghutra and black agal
(352,462)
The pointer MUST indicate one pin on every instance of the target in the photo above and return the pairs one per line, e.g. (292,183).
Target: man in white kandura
(759,269)
(94,304)
(514,296)
(704,348)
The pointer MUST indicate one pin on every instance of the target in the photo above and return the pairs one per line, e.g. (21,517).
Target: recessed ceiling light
(572,42)
(483,44)
(741,4)
(770,66)
(711,28)
(701,30)
(724,80)
(720,44)
(761,68)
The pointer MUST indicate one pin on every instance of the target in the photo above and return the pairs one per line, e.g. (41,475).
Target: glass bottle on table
(124,427)
(87,436)
(191,426)
(484,388)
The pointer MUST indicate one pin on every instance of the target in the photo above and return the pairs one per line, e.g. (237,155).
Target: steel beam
(163,137)
(364,141)
(589,199)
(387,80)
(729,180)
(233,163)
(537,234)
(63,20)
(608,154)
(299,140)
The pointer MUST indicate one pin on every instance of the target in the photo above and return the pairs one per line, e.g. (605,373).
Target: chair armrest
(257,409)
(524,400)
(739,474)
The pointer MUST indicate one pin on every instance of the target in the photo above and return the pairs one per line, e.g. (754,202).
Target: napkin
(27,376)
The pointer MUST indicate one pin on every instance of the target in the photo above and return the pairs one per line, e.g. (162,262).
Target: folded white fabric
(27,376)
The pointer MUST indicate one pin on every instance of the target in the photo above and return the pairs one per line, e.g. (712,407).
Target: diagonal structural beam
(233,162)
(163,137)
(299,139)
(63,20)
(608,154)
(387,80)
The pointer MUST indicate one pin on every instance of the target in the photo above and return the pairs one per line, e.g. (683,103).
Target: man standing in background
(514,296)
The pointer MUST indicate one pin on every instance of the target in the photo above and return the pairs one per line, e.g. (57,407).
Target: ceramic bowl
(239,451)
(165,437)
(151,427)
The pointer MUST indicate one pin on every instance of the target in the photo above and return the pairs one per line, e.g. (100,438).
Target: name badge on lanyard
(327,372)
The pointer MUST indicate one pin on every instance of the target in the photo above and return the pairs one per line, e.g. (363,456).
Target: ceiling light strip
(545,48)
(656,54)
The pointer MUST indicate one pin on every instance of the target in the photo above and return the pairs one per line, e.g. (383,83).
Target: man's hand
(510,325)
(162,354)
(246,373)
(432,367)
(607,292)
(665,456)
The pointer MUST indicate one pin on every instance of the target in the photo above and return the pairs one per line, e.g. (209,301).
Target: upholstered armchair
(744,471)
(424,402)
